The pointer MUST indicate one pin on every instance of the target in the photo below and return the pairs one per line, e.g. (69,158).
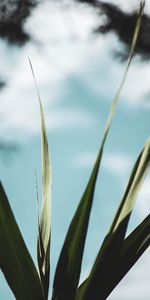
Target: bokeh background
(78,50)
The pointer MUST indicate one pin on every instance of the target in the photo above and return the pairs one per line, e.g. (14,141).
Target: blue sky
(77,78)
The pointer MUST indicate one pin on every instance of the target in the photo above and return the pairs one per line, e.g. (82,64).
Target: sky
(77,77)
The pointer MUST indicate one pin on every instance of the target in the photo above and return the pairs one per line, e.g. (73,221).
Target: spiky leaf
(134,246)
(15,260)
(43,246)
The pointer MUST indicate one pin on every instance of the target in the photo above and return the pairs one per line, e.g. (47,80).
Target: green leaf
(133,187)
(137,241)
(69,265)
(15,260)
(43,247)
(134,246)
(105,267)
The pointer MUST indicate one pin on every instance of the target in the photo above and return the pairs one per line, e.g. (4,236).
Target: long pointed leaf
(15,260)
(105,266)
(134,246)
(69,265)
(45,217)
(136,243)
(135,182)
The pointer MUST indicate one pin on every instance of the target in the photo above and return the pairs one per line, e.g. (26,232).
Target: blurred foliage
(13,14)
(12,17)
(122,24)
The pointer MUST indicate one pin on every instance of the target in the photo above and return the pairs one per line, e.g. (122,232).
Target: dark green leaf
(15,260)
(134,246)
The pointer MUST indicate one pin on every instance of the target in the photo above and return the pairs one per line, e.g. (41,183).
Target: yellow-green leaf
(135,182)
(43,247)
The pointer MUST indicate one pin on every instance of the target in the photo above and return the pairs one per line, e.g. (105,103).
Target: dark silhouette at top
(123,24)
(13,14)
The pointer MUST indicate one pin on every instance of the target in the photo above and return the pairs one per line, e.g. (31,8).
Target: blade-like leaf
(69,265)
(134,246)
(15,260)
(45,217)
(137,241)
(106,265)
(135,182)
(103,269)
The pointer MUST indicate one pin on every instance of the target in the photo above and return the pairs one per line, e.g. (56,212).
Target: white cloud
(115,163)
(67,48)
(24,116)
(84,160)
(61,50)
(68,118)
(65,21)
(52,63)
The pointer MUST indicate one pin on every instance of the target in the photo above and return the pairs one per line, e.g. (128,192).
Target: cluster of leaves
(117,254)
